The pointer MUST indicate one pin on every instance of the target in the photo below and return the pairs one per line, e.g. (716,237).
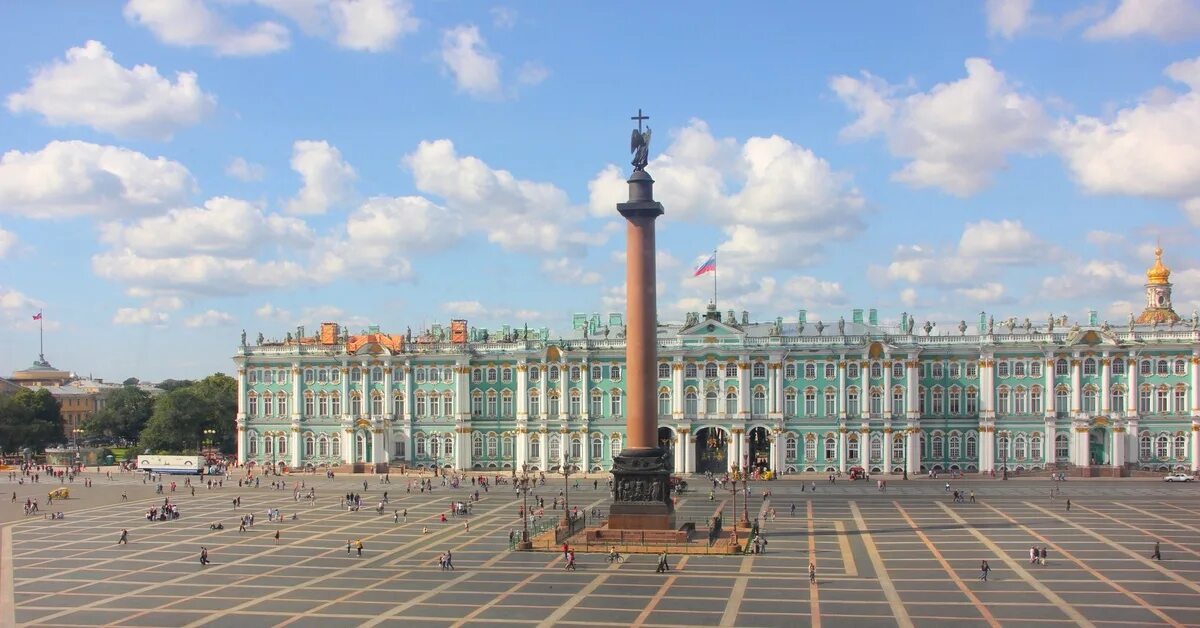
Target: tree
(124,414)
(172,384)
(131,381)
(30,418)
(180,416)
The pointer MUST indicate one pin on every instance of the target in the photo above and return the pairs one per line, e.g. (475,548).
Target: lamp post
(209,436)
(1004,458)
(734,534)
(566,473)
(75,436)
(526,544)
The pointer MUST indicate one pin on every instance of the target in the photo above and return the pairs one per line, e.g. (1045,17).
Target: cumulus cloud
(466,57)
(956,135)
(516,214)
(1171,20)
(243,170)
(328,179)
(568,271)
(989,292)
(1151,149)
(1004,241)
(1007,17)
(16,301)
(91,89)
(208,318)
(532,73)
(224,226)
(384,229)
(195,274)
(486,314)
(504,17)
(191,23)
(8,243)
(139,316)
(271,313)
(365,25)
(1094,278)
(73,178)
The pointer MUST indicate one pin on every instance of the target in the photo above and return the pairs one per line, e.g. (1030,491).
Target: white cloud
(92,89)
(167,303)
(365,25)
(383,230)
(328,179)
(16,301)
(1172,20)
(1104,239)
(909,297)
(777,202)
(465,55)
(8,243)
(1007,17)
(488,314)
(504,17)
(271,313)
(532,73)
(208,318)
(190,23)
(243,170)
(1150,149)
(196,274)
(568,271)
(226,227)
(990,292)
(464,308)
(139,316)
(956,135)
(517,214)
(1094,279)
(1006,241)
(371,25)
(73,178)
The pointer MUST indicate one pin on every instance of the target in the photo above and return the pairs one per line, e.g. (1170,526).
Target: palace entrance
(1097,452)
(759,442)
(666,440)
(712,450)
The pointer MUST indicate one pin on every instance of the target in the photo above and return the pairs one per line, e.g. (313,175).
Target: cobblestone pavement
(906,557)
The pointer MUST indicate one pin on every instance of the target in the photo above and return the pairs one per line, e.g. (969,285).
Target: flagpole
(714,277)
(41,338)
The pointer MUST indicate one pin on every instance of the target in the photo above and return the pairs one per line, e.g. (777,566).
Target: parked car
(1178,477)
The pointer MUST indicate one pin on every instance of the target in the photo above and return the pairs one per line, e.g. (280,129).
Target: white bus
(171,464)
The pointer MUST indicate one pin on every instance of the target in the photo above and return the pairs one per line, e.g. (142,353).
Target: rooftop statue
(639,143)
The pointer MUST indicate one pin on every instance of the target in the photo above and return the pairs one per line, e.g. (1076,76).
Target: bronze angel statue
(639,145)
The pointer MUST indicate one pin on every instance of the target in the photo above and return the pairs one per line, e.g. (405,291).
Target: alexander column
(641,473)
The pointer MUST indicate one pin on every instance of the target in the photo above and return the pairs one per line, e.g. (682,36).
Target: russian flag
(708,265)
(37,317)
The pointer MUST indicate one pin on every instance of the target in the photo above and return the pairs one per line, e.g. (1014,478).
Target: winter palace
(790,396)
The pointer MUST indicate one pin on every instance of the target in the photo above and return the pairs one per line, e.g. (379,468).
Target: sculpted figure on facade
(1027,325)
(820,328)
(1050,325)
(260,339)
(991,324)
(911,321)
(1131,321)
(962,328)
(928,328)
(841,325)
(243,337)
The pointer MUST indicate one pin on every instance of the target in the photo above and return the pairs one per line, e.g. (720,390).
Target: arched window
(252,443)
(1035,400)
(664,371)
(552,403)
(1089,366)
(1180,406)
(710,402)
(552,373)
(731,370)
(690,402)
(810,448)
(597,403)
(1062,368)
(1019,368)
(323,446)
(710,370)
(1021,447)
(852,448)
(1089,399)
(506,447)
(281,445)
(760,370)
(335,446)
(810,401)
(1062,400)
(1118,366)
(355,404)
(573,406)
(1144,446)
(789,370)
(789,447)
(689,370)
(477,445)
(1144,394)
(972,446)
(398,404)
(1118,398)
(614,445)
(955,445)
(810,370)
(936,450)
(897,448)
(876,402)
(1181,452)
(1161,446)
(852,370)
(1002,447)
(897,401)
(534,402)
(506,403)
(1020,401)
(664,402)
(1003,400)
(535,447)
(1035,446)
(876,370)
(830,448)
(310,445)
(1180,367)
(760,402)
(731,402)
(597,447)
(576,452)
(376,403)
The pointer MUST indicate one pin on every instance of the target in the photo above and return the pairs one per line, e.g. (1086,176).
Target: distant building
(788,396)
(41,374)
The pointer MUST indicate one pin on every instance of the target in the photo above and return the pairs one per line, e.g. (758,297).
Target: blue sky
(174,171)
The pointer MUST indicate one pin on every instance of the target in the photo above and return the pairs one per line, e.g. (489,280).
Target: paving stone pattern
(904,557)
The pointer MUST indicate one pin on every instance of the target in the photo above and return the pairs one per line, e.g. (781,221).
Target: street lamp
(566,472)
(526,544)
(1004,458)
(209,435)
(75,439)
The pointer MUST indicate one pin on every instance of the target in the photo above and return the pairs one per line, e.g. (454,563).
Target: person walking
(662,563)
(203,556)
(1068,504)
(1157,555)
(277,537)
(812,572)
(358,546)
(124,540)
(1043,556)
(984,568)
(570,561)
(449,560)
(972,497)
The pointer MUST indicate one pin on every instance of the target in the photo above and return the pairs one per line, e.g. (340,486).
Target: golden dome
(1158,274)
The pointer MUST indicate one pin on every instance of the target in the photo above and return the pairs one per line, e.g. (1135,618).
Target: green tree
(124,415)
(131,381)
(172,384)
(30,418)
(181,415)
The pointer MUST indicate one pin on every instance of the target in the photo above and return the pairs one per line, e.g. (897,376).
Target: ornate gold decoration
(1158,274)
(887,430)
(842,430)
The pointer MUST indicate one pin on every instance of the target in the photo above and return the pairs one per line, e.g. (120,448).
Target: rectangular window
(789,403)
(830,403)
(491,406)
(972,402)
(597,407)
(955,370)
(898,369)
(955,403)
(1118,366)
(1035,368)
(938,370)
(898,403)
(972,369)
(937,403)
(506,405)
(830,371)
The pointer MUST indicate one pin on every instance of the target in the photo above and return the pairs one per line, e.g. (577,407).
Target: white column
(864,389)
(1195,445)
(563,397)
(842,388)
(1131,434)
(388,393)
(779,389)
(564,446)
(1105,385)
(773,371)
(522,392)
(462,451)
(677,389)
(1076,386)
(1131,407)
(887,450)
(585,450)
(690,453)
(348,444)
(408,394)
(680,450)
(1079,443)
(522,448)
(544,389)
(1195,372)
(1051,434)
(585,396)
(346,418)
(743,398)
(887,389)
(912,453)
(842,441)
(1117,439)
(462,393)
(544,463)
(987,388)
(297,394)
(241,416)
(912,393)
(294,444)
(1048,394)
(732,456)
(378,451)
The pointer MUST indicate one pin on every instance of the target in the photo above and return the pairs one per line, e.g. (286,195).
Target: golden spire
(1158,274)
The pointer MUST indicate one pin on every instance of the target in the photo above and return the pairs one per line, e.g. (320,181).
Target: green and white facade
(788,396)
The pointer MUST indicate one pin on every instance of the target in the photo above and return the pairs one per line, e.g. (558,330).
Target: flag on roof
(37,317)
(708,265)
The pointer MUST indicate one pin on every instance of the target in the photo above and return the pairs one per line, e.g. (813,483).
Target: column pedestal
(642,484)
